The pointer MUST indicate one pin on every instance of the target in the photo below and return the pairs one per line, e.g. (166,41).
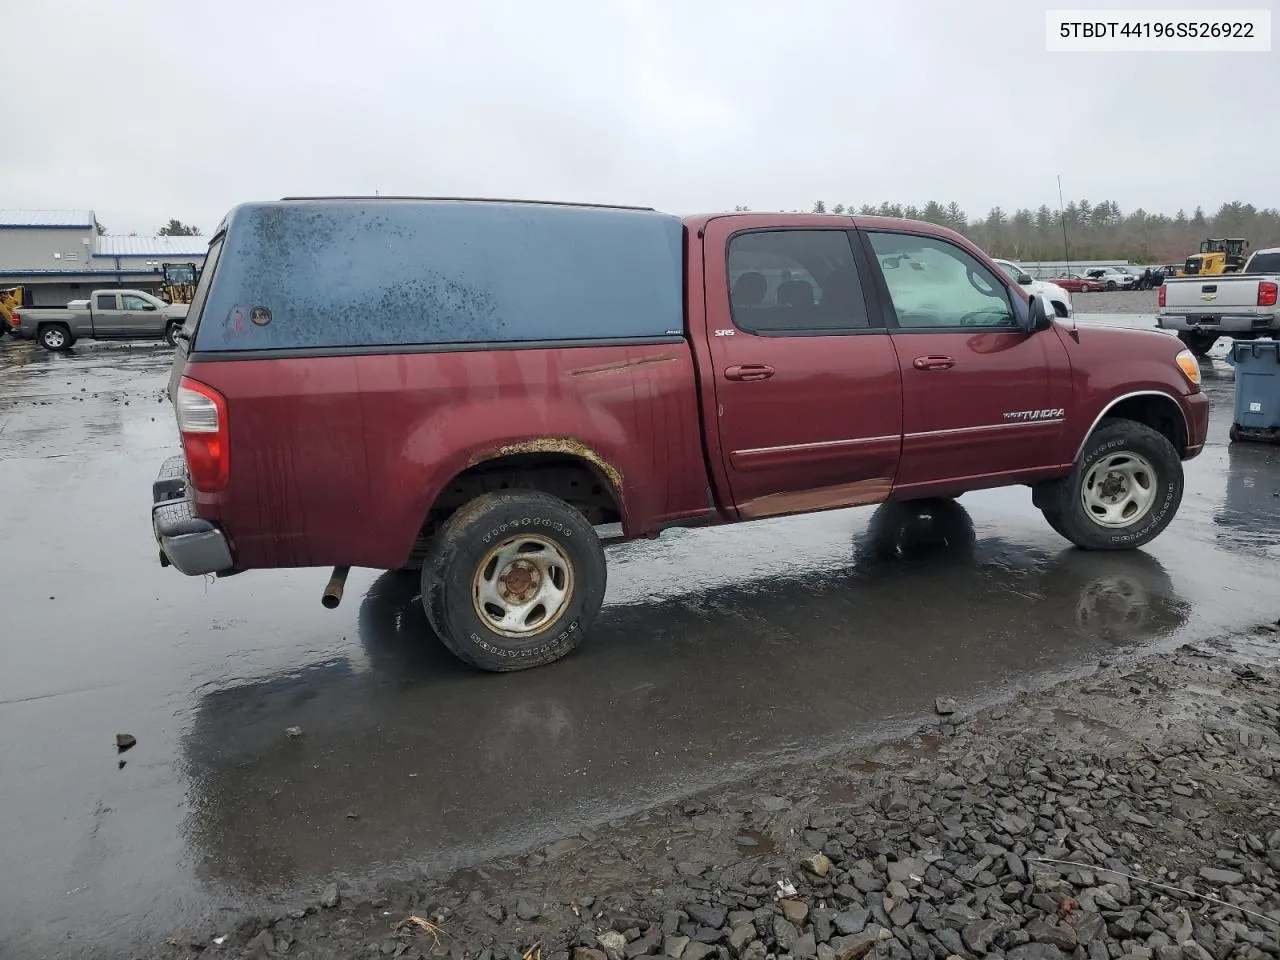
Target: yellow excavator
(10,300)
(179,282)
(1221,255)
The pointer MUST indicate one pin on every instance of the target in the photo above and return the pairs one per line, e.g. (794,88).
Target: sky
(144,110)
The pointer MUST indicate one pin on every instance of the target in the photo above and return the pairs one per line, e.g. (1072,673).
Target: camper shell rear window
(374,274)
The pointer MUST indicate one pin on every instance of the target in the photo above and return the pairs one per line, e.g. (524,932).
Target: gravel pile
(1129,814)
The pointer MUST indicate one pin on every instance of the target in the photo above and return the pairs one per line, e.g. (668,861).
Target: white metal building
(57,255)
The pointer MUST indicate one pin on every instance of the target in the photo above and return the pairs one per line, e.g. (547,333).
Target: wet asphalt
(720,653)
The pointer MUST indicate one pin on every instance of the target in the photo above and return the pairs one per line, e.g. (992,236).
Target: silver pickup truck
(106,315)
(1240,305)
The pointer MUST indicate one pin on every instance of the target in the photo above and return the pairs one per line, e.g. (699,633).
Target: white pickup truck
(1240,305)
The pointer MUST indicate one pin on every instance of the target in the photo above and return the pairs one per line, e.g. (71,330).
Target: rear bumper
(1219,322)
(188,543)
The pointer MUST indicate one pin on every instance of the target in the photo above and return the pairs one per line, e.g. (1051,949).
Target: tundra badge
(1029,415)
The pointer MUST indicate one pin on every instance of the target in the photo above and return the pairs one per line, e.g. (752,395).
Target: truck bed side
(357,451)
(79,322)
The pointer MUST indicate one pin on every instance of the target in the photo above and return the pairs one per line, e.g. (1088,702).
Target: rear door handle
(934,363)
(748,371)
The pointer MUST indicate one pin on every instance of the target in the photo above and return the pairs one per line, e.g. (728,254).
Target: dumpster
(1257,409)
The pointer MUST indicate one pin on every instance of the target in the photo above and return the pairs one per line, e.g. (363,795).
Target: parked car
(1052,293)
(1112,278)
(479,389)
(1075,283)
(108,315)
(1243,305)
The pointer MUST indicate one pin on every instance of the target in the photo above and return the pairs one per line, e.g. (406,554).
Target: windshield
(178,273)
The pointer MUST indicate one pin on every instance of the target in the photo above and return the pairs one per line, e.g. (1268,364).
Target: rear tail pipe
(332,595)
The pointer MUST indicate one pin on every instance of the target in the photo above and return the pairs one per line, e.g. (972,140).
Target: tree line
(174,228)
(1094,231)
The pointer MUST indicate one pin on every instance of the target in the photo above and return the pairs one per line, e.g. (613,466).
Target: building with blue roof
(57,255)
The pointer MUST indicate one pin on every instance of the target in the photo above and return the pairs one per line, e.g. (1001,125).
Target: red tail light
(14,319)
(1160,297)
(202,421)
(1266,293)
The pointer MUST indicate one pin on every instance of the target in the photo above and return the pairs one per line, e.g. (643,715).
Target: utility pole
(1062,216)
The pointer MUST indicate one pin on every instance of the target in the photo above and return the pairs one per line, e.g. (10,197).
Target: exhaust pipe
(332,595)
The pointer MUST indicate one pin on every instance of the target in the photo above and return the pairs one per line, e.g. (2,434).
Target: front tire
(513,580)
(1124,490)
(55,337)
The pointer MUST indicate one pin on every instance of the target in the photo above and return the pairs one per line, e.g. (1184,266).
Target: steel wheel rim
(1119,490)
(54,338)
(522,586)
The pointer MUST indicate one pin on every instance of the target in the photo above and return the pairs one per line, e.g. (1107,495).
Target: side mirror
(1037,318)
(148,306)
(1024,279)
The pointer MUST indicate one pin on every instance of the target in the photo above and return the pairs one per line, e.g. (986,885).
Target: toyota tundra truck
(484,391)
(1239,305)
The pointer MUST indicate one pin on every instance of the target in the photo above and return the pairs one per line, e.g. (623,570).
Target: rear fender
(600,450)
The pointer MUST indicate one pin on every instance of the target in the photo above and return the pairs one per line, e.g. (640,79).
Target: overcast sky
(148,110)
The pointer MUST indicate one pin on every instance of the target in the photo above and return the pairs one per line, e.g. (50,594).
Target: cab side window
(795,282)
(935,284)
(134,303)
(106,301)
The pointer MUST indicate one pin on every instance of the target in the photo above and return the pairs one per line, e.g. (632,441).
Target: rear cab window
(1265,263)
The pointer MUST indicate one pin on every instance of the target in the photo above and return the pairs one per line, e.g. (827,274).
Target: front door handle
(748,371)
(934,363)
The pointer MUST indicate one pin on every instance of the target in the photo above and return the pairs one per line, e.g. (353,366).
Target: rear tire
(1125,488)
(55,337)
(1198,342)
(513,580)
(171,332)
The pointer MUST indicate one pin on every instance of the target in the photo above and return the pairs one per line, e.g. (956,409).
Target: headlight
(1190,367)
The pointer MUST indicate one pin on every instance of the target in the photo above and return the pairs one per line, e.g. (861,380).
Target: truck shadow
(411,759)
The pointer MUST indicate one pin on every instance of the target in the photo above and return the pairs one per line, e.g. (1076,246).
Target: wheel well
(1160,413)
(574,480)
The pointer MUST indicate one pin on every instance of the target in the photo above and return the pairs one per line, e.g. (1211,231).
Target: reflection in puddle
(1250,514)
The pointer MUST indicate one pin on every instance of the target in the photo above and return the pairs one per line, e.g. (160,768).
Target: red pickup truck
(478,388)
